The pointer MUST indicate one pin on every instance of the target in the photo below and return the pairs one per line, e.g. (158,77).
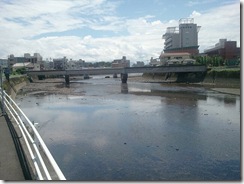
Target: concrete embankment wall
(14,85)
(222,78)
(227,77)
(226,82)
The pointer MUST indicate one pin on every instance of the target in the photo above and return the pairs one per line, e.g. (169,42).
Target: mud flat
(47,86)
(57,85)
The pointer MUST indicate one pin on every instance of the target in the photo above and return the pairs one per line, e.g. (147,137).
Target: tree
(21,70)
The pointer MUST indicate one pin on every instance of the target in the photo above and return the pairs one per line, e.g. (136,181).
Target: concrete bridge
(123,71)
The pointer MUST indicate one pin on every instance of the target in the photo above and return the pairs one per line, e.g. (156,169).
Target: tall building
(183,38)
(38,57)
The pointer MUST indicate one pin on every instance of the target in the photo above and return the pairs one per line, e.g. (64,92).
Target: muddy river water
(139,131)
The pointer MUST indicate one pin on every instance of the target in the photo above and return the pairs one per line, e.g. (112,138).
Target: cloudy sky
(104,30)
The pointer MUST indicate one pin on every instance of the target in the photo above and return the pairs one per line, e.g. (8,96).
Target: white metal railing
(44,164)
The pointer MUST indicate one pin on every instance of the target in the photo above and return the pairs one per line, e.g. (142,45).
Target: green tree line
(216,61)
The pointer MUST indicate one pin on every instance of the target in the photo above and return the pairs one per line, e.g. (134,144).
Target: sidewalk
(10,168)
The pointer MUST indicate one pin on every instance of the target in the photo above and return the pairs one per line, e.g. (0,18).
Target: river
(139,131)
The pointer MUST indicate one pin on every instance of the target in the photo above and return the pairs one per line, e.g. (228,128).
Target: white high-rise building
(172,38)
(38,57)
(183,38)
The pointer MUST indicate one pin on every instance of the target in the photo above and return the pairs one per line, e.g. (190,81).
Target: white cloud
(222,22)
(195,14)
(199,2)
(25,22)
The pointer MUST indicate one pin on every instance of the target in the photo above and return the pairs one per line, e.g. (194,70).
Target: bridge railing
(41,161)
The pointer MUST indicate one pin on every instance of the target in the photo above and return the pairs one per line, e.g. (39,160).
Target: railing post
(67,79)
(1,80)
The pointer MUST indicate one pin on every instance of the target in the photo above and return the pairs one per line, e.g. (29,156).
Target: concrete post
(115,75)
(124,77)
(67,79)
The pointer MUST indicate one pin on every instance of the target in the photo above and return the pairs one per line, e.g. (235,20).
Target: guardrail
(41,161)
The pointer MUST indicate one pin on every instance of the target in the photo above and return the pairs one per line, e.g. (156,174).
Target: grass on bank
(223,72)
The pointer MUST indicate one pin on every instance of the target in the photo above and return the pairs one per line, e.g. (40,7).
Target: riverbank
(57,85)
(47,86)
(14,85)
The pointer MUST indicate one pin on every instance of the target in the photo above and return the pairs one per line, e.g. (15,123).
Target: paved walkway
(10,168)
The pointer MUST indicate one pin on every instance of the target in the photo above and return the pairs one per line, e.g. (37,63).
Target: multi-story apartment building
(228,50)
(36,58)
(172,38)
(183,38)
(121,62)
(60,63)
(75,64)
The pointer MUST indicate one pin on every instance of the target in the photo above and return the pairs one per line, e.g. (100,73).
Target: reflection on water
(140,131)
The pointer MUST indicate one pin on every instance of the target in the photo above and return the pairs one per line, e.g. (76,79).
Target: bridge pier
(86,76)
(124,77)
(67,79)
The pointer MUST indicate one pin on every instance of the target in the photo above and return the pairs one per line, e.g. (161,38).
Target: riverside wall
(229,79)
(14,85)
